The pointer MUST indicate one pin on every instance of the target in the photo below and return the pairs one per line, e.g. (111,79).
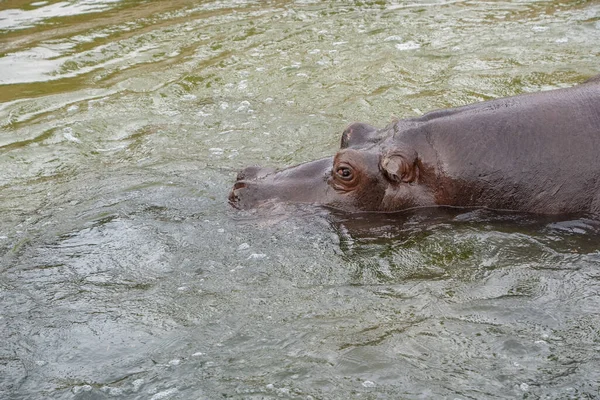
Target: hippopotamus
(536,152)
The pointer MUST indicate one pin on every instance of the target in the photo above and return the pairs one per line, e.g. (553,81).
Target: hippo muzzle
(305,183)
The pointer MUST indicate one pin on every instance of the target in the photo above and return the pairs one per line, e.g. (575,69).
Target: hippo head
(365,175)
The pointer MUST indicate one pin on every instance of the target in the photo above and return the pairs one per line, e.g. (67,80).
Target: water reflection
(450,243)
(38,12)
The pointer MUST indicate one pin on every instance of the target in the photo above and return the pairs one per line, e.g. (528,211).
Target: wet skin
(536,153)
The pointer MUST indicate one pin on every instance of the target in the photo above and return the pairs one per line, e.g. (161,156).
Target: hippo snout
(246,177)
(235,196)
(304,183)
(253,173)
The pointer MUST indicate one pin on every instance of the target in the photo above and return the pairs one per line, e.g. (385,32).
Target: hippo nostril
(249,173)
(239,185)
(252,173)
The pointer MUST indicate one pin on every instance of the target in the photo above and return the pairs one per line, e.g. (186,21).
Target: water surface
(125,274)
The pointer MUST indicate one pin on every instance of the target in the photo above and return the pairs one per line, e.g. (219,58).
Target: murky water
(125,274)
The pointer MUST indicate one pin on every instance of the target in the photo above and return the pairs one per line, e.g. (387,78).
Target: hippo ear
(358,134)
(400,166)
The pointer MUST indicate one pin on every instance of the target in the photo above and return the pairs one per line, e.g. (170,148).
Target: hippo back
(534,152)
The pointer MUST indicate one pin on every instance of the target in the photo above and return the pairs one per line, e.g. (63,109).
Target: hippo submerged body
(536,153)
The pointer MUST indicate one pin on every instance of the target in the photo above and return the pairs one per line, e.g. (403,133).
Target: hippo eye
(344,173)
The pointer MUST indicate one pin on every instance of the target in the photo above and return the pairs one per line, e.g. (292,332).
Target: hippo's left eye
(344,173)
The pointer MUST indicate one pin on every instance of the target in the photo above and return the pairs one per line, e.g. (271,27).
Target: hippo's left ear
(400,166)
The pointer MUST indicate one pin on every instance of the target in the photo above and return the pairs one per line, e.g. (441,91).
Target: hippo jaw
(353,180)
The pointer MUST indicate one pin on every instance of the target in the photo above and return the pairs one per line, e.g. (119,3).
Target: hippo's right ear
(400,166)
(358,134)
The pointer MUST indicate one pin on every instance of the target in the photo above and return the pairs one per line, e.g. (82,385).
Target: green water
(125,274)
